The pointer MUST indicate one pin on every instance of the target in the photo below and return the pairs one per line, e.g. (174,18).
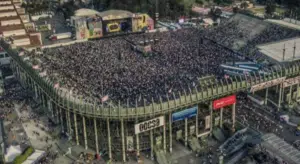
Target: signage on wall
(187,113)
(222,102)
(150,124)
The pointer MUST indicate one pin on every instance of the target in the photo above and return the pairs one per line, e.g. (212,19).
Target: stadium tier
(107,96)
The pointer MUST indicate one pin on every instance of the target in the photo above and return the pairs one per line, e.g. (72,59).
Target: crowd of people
(111,68)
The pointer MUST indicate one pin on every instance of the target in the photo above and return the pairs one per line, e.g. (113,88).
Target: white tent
(12,153)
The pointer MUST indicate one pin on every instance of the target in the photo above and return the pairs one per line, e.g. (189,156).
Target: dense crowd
(110,67)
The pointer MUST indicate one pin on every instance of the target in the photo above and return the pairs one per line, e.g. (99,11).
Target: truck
(60,36)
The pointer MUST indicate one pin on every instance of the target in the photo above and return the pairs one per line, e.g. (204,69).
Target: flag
(35,67)
(105,98)
(21,53)
(44,73)
(226,76)
(170,90)
(56,85)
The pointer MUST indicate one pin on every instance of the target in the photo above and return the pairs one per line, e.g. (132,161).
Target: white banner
(267,84)
(150,124)
(217,121)
(207,122)
(130,143)
(291,81)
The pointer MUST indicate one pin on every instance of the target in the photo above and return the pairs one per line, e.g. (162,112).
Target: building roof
(2,5)
(19,37)
(9,18)
(11,27)
(281,148)
(275,50)
(85,12)
(6,11)
(115,14)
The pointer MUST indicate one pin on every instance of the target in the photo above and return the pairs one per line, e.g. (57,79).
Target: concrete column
(197,126)
(266,97)
(123,140)
(69,122)
(84,133)
(297,92)
(76,129)
(109,139)
(185,132)
(221,117)
(137,142)
(61,120)
(68,125)
(96,136)
(165,138)
(279,99)
(170,131)
(291,88)
(233,117)
(152,146)
(211,117)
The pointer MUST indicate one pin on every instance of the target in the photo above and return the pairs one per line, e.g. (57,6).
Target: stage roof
(115,14)
(86,12)
(275,50)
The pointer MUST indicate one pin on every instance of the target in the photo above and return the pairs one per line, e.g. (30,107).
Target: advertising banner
(207,122)
(150,124)
(291,81)
(222,102)
(129,143)
(267,84)
(192,129)
(184,114)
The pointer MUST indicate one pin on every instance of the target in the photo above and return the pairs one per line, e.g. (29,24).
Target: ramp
(219,135)
(194,144)
(161,157)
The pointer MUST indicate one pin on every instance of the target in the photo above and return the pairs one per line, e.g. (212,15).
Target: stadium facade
(123,129)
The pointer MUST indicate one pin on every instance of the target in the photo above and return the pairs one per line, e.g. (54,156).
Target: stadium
(109,95)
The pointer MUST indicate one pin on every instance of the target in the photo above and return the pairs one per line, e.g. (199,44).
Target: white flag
(105,98)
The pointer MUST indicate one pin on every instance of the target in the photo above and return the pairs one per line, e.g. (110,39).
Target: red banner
(222,102)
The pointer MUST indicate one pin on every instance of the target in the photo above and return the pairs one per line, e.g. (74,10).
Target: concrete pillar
(137,142)
(221,117)
(76,129)
(197,126)
(152,146)
(297,92)
(233,117)
(61,120)
(96,136)
(266,97)
(185,132)
(69,122)
(123,140)
(279,99)
(165,138)
(170,131)
(211,117)
(109,139)
(291,96)
(84,133)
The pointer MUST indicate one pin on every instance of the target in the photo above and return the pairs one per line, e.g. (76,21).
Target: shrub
(21,158)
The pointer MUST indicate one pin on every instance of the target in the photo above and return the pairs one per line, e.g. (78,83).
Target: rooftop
(19,37)
(6,11)
(11,27)
(9,18)
(275,50)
